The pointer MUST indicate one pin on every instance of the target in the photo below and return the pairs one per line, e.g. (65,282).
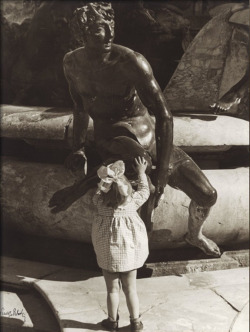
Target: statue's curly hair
(88,14)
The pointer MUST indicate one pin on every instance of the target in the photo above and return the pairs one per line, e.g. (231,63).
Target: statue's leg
(126,149)
(197,217)
(64,198)
(189,178)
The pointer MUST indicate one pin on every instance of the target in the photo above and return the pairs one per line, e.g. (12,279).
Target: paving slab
(241,323)
(94,288)
(163,284)
(190,311)
(147,285)
(194,302)
(83,321)
(77,303)
(219,278)
(66,297)
(70,274)
(20,271)
(237,296)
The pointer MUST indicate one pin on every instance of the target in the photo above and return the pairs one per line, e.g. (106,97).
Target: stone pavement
(214,301)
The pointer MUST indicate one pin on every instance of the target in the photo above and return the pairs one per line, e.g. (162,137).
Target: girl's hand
(140,165)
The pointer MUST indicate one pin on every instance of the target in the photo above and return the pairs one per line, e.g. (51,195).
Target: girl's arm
(142,193)
(96,197)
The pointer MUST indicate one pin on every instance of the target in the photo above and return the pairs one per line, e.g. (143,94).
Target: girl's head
(114,184)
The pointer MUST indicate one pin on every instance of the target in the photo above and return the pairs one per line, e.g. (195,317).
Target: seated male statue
(115,86)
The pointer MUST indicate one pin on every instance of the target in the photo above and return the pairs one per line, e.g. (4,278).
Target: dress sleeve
(96,197)
(142,193)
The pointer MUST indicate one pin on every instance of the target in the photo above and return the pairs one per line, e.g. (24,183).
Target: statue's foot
(62,200)
(226,108)
(208,246)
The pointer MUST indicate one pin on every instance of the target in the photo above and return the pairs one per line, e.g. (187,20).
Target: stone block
(241,256)
(191,266)
(28,187)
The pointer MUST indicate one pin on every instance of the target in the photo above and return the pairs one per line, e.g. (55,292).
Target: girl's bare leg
(128,280)
(113,289)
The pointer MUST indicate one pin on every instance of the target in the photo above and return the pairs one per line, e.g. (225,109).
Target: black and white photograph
(124,166)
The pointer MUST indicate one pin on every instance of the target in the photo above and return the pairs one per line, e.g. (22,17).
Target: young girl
(120,238)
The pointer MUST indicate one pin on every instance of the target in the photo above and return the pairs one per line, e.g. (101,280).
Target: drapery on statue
(116,87)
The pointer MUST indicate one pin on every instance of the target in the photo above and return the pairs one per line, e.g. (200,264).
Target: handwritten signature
(13,313)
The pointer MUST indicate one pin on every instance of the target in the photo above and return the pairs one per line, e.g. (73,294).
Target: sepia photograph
(124,166)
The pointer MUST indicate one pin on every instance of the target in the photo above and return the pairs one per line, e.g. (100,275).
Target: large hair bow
(113,173)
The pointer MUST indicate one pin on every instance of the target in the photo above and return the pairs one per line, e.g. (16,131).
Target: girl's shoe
(110,325)
(136,325)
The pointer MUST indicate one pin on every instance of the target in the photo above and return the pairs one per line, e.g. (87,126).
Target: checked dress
(119,235)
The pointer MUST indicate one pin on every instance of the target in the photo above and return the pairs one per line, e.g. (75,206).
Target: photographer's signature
(15,312)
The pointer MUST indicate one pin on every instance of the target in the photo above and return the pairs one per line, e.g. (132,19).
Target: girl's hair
(113,198)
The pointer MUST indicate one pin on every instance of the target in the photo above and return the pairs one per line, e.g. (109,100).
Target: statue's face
(100,36)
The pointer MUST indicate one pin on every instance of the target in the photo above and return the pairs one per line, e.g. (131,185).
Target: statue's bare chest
(103,81)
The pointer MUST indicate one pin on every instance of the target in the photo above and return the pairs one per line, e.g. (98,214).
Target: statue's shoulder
(131,59)
(70,57)
(121,50)
(126,53)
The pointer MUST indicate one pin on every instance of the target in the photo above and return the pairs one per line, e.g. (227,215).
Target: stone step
(228,260)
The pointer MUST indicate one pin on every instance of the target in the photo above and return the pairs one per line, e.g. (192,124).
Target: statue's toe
(212,248)
(52,202)
(55,210)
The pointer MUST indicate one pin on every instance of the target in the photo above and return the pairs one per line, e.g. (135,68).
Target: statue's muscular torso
(108,95)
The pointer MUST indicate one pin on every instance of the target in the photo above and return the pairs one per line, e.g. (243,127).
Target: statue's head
(93,25)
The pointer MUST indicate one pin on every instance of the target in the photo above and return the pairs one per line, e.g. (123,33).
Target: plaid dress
(119,235)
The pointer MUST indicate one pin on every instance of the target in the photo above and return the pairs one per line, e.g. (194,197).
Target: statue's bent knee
(208,198)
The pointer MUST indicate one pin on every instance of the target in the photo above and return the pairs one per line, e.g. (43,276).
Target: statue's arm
(80,116)
(152,97)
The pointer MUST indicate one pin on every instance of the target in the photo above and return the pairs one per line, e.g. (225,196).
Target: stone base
(27,188)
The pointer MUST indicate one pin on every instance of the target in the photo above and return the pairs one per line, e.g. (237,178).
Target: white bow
(113,173)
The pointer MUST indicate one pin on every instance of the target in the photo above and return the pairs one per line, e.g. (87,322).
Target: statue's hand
(159,192)
(62,200)
(77,161)
(159,183)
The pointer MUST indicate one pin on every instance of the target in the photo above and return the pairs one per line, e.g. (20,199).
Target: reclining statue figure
(115,86)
